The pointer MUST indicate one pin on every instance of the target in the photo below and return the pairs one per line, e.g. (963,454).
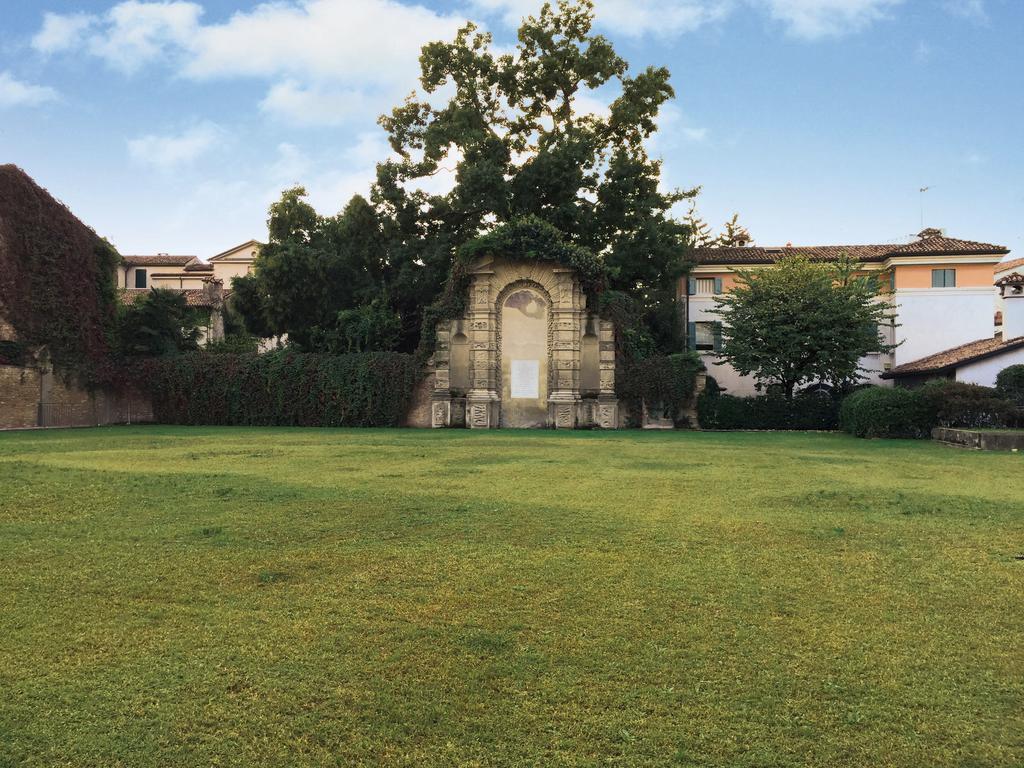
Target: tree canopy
(799,322)
(553,131)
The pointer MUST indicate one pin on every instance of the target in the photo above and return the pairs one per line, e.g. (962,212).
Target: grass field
(193,597)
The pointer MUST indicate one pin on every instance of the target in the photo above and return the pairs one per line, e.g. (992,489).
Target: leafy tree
(160,323)
(514,131)
(800,321)
(734,234)
(524,145)
(700,231)
(312,268)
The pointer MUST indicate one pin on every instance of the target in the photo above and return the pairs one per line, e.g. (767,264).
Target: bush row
(771,411)
(283,388)
(664,382)
(898,412)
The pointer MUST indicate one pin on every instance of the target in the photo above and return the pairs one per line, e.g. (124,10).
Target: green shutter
(691,335)
(951,278)
(691,286)
(938,278)
(718,337)
(718,285)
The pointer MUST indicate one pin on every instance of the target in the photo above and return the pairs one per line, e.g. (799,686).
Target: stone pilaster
(483,401)
(607,402)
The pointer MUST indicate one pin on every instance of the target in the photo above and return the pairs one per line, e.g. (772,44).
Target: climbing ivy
(526,239)
(57,279)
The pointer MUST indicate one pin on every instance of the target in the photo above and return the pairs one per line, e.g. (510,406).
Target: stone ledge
(980,440)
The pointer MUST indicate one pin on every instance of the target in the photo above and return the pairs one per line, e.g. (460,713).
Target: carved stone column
(482,400)
(566,316)
(441,397)
(607,402)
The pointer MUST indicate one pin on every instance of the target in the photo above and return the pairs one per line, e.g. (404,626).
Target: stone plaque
(525,383)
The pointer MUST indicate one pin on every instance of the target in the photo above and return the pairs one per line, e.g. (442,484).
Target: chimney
(1012,288)
(930,232)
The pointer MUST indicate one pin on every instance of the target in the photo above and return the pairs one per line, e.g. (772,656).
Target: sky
(171,126)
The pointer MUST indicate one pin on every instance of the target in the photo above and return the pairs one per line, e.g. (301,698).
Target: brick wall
(19,397)
(30,398)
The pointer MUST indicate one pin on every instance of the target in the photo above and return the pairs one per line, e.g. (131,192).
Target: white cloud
(816,19)
(923,51)
(629,17)
(135,33)
(17,93)
(315,105)
(61,33)
(167,151)
(324,58)
(972,10)
(806,19)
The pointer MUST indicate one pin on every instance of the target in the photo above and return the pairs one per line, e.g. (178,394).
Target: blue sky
(170,126)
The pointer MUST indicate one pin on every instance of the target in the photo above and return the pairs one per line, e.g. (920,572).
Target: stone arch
(523,339)
(568,327)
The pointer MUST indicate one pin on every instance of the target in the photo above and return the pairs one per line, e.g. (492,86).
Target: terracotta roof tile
(942,246)
(158,260)
(199,266)
(1004,266)
(955,357)
(1014,278)
(194,297)
(938,246)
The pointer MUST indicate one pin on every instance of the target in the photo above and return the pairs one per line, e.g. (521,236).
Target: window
(943,278)
(140,278)
(704,286)
(706,336)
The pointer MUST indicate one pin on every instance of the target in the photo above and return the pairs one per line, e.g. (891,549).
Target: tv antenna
(920,198)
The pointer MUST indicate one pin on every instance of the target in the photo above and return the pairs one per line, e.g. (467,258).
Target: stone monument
(527,352)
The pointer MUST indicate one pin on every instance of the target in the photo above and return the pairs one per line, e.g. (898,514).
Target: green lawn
(195,597)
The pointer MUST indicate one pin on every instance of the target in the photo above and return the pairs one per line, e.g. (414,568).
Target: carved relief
(478,415)
(606,417)
(439,417)
(563,416)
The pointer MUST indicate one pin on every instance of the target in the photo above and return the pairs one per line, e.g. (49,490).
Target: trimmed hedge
(898,412)
(666,381)
(283,388)
(968,406)
(812,411)
(887,412)
(1010,383)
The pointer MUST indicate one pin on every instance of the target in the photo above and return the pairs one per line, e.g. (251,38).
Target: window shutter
(951,278)
(691,335)
(718,285)
(691,286)
(938,278)
(718,337)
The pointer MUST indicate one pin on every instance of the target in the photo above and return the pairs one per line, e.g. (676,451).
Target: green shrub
(1010,384)
(282,388)
(664,382)
(969,406)
(816,411)
(887,412)
(13,353)
(234,344)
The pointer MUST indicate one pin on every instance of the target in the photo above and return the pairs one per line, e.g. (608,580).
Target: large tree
(554,130)
(799,322)
(532,133)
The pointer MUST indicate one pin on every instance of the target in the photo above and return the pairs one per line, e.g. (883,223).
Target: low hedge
(282,388)
(886,412)
(1010,383)
(665,381)
(899,412)
(968,406)
(813,411)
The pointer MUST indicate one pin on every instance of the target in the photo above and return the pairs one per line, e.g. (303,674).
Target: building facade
(940,289)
